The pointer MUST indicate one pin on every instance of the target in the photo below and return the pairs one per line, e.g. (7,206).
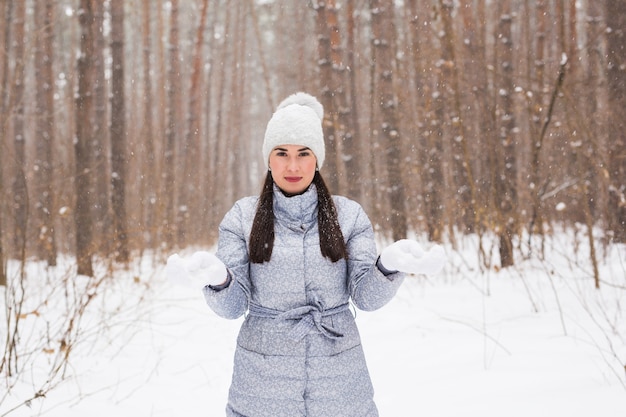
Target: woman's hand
(408,256)
(201,269)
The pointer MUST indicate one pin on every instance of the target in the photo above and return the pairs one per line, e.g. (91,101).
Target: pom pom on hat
(296,121)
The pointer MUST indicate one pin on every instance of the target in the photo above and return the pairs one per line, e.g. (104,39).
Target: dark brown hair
(332,243)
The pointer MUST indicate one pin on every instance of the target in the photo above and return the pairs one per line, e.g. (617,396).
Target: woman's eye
(305,153)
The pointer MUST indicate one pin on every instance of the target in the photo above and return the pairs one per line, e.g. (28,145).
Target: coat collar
(297,211)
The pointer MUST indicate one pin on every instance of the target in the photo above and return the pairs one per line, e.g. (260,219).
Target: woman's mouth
(293,179)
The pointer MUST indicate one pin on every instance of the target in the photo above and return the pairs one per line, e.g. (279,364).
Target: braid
(332,243)
(262,233)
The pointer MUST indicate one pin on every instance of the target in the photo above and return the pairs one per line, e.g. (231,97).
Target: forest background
(128,128)
(122,120)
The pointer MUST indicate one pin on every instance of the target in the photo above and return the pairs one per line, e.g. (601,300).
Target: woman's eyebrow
(306,148)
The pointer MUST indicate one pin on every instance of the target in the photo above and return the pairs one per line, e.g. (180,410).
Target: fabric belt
(309,316)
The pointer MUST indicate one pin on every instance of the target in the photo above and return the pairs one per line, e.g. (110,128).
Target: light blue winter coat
(299,351)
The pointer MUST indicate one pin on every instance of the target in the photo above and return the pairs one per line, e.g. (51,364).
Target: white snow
(534,340)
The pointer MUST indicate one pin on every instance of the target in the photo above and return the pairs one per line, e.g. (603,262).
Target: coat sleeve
(231,302)
(370,288)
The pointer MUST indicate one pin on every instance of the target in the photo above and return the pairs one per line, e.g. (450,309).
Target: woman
(293,258)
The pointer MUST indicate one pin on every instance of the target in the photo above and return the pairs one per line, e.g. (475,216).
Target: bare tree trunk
(341,111)
(616,51)
(237,121)
(84,137)
(505,180)
(261,52)
(384,56)
(485,103)
(163,200)
(465,194)
(478,113)
(101,211)
(118,135)
(19,186)
(324,63)
(44,174)
(209,161)
(535,109)
(6,12)
(220,153)
(353,148)
(173,102)
(428,126)
(190,152)
(149,183)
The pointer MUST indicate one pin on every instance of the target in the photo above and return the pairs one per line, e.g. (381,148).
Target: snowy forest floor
(535,339)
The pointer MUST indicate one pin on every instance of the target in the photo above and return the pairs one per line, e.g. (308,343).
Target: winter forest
(128,129)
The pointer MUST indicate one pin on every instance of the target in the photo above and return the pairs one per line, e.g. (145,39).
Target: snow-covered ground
(534,340)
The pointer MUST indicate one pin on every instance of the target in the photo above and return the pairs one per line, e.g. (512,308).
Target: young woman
(292,259)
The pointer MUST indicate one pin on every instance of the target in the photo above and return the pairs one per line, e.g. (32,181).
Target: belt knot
(309,318)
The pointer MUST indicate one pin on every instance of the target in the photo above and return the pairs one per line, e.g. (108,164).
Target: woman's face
(292,167)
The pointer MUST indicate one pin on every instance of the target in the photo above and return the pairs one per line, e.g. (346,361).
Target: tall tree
(191,150)
(237,122)
(465,194)
(478,109)
(118,134)
(341,110)
(260,50)
(5,19)
(505,186)
(173,104)
(84,137)
(428,128)
(163,200)
(217,146)
(324,62)
(353,145)
(209,160)
(101,147)
(19,185)
(44,174)
(148,183)
(616,74)
(535,109)
(384,56)
(592,80)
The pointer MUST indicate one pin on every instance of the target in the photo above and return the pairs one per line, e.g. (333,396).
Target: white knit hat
(296,121)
